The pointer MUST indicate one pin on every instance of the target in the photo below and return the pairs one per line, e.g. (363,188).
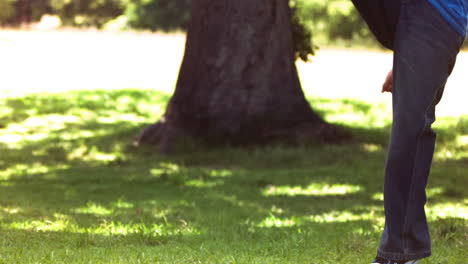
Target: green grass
(73,189)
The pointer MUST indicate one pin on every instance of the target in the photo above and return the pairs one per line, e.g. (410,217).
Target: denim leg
(381,16)
(425,50)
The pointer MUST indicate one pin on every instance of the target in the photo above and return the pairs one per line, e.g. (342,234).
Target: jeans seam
(413,174)
(411,193)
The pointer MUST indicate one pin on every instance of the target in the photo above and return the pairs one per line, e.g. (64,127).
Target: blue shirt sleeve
(455,12)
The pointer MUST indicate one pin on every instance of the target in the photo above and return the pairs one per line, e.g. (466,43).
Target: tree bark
(24,12)
(238,81)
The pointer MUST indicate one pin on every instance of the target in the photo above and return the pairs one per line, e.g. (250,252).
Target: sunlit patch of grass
(11,210)
(73,189)
(113,118)
(430,193)
(41,225)
(448,210)
(123,204)
(453,134)
(221,173)
(354,112)
(317,189)
(202,183)
(433,192)
(84,153)
(25,170)
(275,220)
(17,140)
(372,147)
(94,209)
(346,216)
(61,223)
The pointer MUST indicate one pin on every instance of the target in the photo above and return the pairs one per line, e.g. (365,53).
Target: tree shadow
(87,182)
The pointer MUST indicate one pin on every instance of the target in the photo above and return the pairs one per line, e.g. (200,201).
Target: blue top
(455,11)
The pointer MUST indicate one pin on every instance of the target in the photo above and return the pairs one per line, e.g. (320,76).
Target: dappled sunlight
(84,153)
(49,122)
(87,179)
(94,209)
(275,221)
(108,228)
(452,152)
(433,192)
(220,173)
(36,128)
(10,210)
(182,176)
(116,118)
(463,140)
(371,148)
(70,178)
(40,225)
(115,219)
(25,170)
(39,128)
(170,171)
(447,210)
(158,210)
(81,134)
(165,168)
(378,196)
(354,112)
(203,184)
(76,115)
(64,127)
(18,140)
(373,214)
(122,204)
(346,216)
(436,210)
(314,189)
(430,193)
(452,143)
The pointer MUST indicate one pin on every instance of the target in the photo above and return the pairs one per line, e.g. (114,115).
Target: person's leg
(425,51)
(381,16)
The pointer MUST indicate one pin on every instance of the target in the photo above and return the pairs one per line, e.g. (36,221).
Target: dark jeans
(425,49)
(382,18)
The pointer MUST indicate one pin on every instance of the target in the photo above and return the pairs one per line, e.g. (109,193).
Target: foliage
(72,12)
(87,13)
(74,190)
(155,15)
(329,19)
(303,42)
(333,20)
(39,8)
(7,10)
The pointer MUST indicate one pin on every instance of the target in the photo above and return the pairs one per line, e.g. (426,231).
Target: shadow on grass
(132,101)
(68,168)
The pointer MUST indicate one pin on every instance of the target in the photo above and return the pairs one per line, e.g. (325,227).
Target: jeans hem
(400,256)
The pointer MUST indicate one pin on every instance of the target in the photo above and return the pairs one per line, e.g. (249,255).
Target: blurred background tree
(94,13)
(7,11)
(155,15)
(331,21)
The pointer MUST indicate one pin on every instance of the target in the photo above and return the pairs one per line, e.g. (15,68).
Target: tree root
(164,136)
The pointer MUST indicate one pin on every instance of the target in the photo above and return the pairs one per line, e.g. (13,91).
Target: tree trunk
(238,82)
(24,12)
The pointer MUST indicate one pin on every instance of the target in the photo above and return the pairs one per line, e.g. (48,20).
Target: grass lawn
(74,190)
